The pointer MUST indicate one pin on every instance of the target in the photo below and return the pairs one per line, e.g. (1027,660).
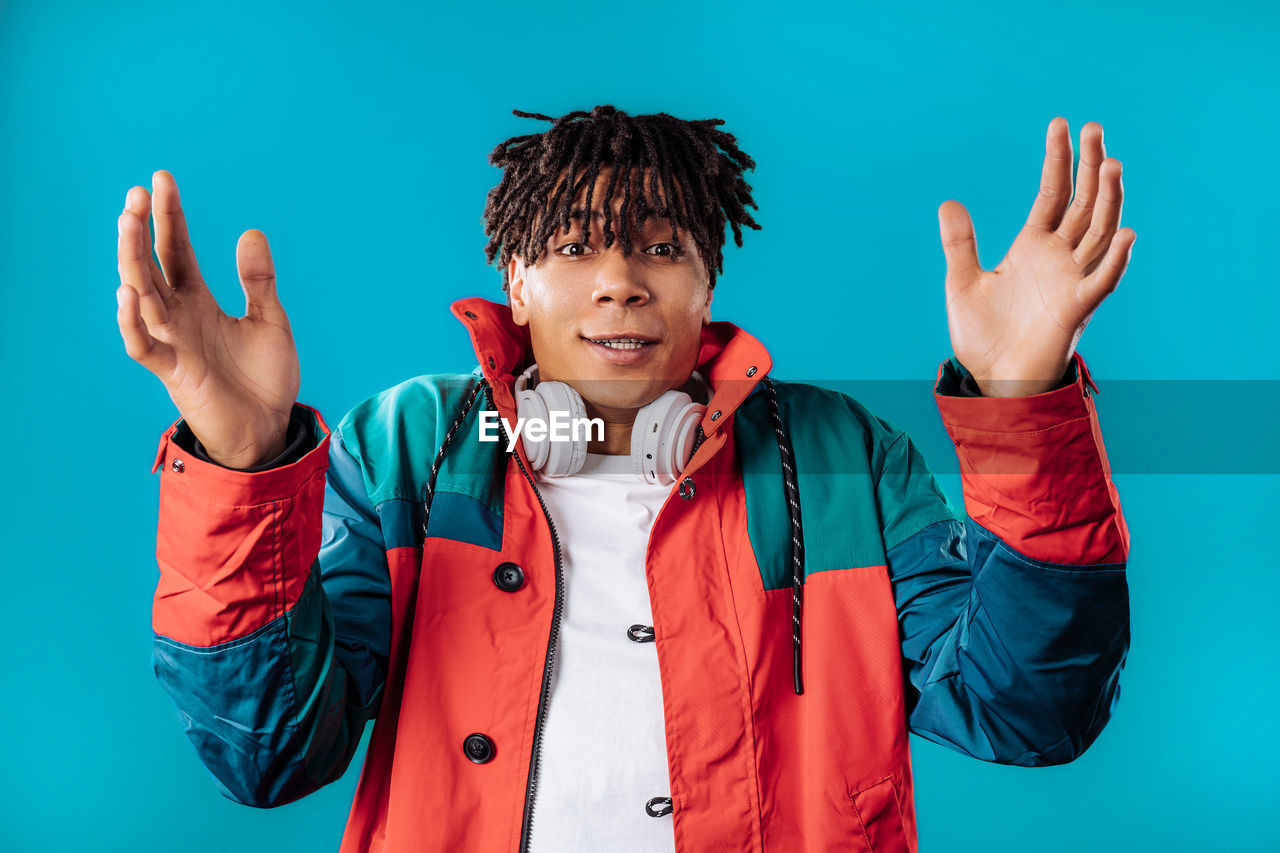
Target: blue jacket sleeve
(277,712)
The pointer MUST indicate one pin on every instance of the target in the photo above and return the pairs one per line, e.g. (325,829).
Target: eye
(673,250)
(580,250)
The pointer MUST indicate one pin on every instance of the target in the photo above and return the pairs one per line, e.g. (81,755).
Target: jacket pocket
(880,817)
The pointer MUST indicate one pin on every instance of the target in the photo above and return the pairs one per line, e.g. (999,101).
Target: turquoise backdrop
(356,136)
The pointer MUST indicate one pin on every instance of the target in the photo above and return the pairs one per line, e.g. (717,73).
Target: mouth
(623,349)
(622,342)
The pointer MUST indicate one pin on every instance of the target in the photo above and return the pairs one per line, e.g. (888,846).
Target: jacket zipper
(531,787)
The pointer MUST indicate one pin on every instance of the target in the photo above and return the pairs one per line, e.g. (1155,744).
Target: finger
(1103,280)
(1106,216)
(137,201)
(134,270)
(959,243)
(1092,152)
(173,245)
(1055,178)
(258,277)
(156,356)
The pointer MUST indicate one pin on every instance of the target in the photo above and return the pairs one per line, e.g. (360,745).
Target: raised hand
(234,380)
(1015,328)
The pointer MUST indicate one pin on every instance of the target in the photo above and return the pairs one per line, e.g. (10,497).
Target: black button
(478,748)
(658,806)
(640,633)
(686,489)
(470,316)
(508,576)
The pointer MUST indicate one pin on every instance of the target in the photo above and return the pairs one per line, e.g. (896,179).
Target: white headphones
(662,436)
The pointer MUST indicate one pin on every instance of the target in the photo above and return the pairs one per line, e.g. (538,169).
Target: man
(726,611)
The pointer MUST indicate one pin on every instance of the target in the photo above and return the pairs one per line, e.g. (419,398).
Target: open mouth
(622,343)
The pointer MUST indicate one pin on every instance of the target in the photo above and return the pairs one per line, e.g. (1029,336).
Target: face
(620,330)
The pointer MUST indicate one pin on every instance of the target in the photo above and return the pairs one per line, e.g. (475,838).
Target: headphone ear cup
(562,457)
(663,436)
(531,406)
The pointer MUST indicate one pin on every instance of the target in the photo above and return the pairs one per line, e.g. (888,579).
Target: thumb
(959,244)
(257,276)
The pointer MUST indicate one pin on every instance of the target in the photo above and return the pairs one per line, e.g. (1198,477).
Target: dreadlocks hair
(694,171)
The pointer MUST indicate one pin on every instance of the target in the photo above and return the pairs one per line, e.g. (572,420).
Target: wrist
(256,455)
(991,387)
(1016,387)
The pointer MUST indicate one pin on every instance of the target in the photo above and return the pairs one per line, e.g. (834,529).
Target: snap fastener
(751,371)
(478,748)
(663,806)
(686,489)
(508,577)
(178,466)
(469,315)
(715,416)
(493,365)
(640,633)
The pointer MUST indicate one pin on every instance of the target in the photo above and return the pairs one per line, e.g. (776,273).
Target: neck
(617,429)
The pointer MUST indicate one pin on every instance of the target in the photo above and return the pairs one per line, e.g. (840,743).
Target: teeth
(621,343)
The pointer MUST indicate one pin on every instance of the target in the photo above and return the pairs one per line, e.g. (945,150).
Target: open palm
(1015,328)
(234,380)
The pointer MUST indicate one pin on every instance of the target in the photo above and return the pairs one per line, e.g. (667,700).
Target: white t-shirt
(604,749)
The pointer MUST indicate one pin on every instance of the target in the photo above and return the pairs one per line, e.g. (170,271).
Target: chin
(620,393)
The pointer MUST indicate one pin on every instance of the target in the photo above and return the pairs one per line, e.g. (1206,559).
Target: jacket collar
(732,360)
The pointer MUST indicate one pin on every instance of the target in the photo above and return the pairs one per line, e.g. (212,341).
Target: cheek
(551,327)
(690,330)
(552,300)
(697,309)
(542,307)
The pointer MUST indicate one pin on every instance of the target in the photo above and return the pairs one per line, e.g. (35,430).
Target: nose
(620,279)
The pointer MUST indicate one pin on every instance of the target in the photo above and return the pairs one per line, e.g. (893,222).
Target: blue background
(357,141)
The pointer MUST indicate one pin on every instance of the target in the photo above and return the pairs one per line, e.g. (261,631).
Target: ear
(706,310)
(515,291)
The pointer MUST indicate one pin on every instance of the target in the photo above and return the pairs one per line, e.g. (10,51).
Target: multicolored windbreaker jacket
(296,604)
